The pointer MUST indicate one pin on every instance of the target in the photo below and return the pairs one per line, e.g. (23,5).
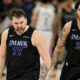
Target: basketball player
(71,38)
(21,46)
(66,14)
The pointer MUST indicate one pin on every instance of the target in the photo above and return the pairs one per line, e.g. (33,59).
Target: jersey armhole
(7,35)
(33,44)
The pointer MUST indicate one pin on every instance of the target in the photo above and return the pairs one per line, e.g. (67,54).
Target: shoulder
(37,33)
(37,37)
(5,33)
(67,27)
(68,24)
(37,9)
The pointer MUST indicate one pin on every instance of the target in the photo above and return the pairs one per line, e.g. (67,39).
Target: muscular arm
(40,43)
(3,52)
(61,42)
(55,29)
(35,16)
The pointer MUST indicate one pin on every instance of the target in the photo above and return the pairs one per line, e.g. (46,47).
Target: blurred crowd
(49,16)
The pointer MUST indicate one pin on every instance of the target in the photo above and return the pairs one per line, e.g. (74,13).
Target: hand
(52,73)
(0,78)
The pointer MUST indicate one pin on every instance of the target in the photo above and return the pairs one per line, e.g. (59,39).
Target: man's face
(78,12)
(19,23)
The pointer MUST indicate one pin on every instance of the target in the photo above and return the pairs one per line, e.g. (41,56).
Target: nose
(19,25)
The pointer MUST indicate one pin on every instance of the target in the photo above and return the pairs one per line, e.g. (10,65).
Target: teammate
(71,38)
(21,46)
(65,15)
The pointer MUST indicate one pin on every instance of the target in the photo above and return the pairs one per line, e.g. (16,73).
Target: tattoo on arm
(60,44)
(43,72)
(54,57)
(62,36)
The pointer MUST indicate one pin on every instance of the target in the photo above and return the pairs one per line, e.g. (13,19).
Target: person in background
(28,6)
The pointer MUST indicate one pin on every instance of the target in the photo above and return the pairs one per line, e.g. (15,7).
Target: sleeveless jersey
(22,57)
(46,17)
(73,44)
(67,16)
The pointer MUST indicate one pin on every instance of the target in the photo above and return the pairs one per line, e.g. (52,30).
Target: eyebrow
(21,22)
(17,22)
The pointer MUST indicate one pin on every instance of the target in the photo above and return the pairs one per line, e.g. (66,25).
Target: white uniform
(45,21)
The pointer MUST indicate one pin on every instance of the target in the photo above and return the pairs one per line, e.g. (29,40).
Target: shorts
(70,72)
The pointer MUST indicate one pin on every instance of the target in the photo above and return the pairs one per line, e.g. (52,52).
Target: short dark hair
(17,12)
(77,4)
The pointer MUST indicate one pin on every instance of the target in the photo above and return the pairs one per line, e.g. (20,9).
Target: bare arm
(34,18)
(40,43)
(55,29)
(59,47)
(61,42)
(3,52)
